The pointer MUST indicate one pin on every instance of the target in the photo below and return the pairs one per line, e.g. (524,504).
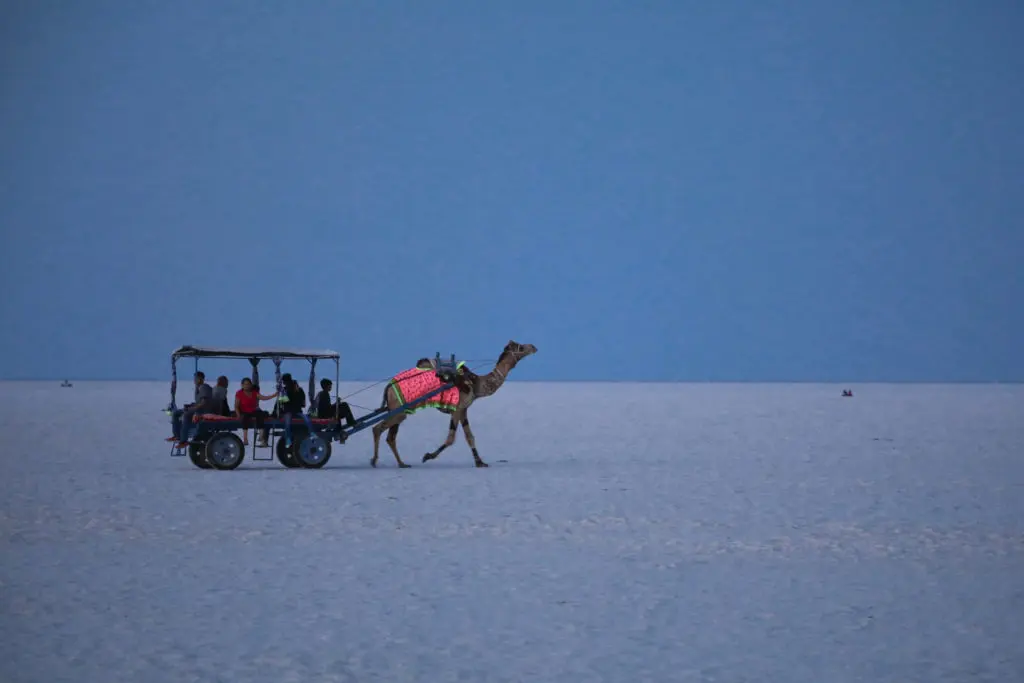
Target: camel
(471,387)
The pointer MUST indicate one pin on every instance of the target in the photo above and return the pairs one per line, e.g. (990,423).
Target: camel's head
(518,351)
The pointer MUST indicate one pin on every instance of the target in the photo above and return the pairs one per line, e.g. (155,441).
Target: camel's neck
(492,381)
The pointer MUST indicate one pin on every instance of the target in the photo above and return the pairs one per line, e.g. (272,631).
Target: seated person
(325,409)
(181,424)
(247,408)
(220,397)
(290,403)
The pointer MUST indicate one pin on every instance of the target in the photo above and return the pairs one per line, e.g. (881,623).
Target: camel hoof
(373,462)
(427,456)
(481,463)
(403,465)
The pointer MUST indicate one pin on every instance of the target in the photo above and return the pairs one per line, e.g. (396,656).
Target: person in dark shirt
(182,424)
(220,397)
(326,409)
(296,396)
(290,403)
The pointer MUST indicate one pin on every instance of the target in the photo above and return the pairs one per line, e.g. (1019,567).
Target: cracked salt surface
(635,533)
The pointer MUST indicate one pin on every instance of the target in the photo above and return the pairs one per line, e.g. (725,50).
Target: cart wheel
(224,451)
(286,456)
(197,454)
(313,452)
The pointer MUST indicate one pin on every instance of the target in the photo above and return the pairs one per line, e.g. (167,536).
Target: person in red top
(247,408)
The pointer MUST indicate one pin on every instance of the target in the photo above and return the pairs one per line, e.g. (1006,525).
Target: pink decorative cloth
(415,382)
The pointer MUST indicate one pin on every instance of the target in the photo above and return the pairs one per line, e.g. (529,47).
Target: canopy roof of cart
(250,352)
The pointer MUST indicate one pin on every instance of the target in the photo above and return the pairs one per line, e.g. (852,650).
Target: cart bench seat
(225,420)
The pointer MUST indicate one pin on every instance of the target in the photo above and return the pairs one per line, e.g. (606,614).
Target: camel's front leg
(468,433)
(453,427)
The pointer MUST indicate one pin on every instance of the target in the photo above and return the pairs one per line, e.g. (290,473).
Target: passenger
(293,403)
(220,397)
(325,409)
(182,422)
(290,403)
(247,408)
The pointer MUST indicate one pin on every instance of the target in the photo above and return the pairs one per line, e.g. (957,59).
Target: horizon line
(589,381)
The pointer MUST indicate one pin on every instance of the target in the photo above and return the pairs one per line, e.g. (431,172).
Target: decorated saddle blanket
(416,382)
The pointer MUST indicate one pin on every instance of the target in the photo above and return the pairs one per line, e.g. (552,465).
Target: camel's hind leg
(378,429)
(393,442)
(391,426)
(389,401)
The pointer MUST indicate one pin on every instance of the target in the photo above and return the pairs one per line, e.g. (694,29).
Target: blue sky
(726,191)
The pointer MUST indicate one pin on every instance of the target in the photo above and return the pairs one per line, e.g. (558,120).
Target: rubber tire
(220,440)
(197,454)
(286,456)
(299,448)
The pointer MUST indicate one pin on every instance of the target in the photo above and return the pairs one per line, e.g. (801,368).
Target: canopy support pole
(277,376)
(312,382)
(174,382)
